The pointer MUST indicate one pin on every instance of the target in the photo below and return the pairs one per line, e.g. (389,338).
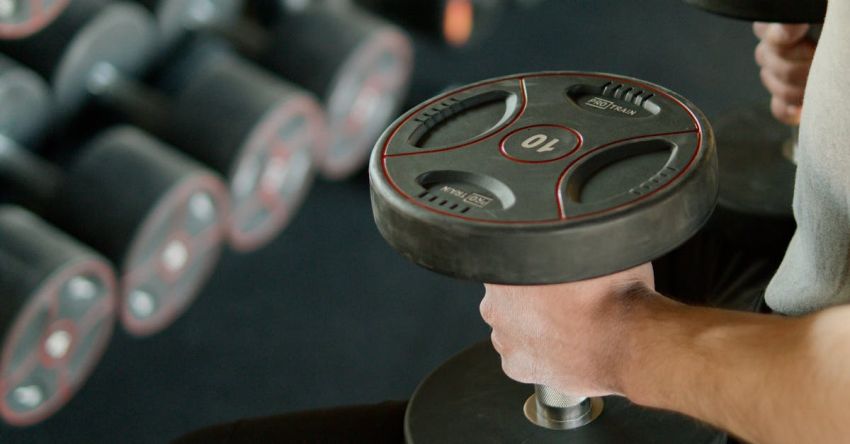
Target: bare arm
(765,378)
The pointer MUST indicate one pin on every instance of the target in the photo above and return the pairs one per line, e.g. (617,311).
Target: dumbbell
(25,102)
(21,18)
(537,179)
(757,163)
(257,131)
(456,22)
(357,64)
(176,17)
(57,317)
(158,216)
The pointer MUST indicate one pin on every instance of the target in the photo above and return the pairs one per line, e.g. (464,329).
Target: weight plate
(22,18)
(172,256)
(782,11)
(24,101)
(469,399)
(358,64)
(365,95)
(544,178)
(58,315)
(122,35)
(275,172)
(756,175)
(257,130)
(158,215)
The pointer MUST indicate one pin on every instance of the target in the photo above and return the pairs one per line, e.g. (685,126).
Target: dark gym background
(328,314)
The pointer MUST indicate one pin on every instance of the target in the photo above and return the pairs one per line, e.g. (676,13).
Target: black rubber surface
(470,400)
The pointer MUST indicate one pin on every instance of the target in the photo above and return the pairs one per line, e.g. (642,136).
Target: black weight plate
(266,150)
(121,35)
(781,11)
(158,215)
(543,178)
(22,18)
(469,400)
(358,64)
(756,177)
(58,310)
(24,101)
(366,93)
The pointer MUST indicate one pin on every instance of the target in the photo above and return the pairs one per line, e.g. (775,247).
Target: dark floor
(329,314)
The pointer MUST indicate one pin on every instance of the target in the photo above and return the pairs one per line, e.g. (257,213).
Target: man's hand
(785,55)
(574,337)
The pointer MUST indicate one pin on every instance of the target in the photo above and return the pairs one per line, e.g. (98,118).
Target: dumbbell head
(544,178)
(176,17)
(359,65)
(90,33)
(538,179)
(157,215)
(24,101)
(58,302)
(257,131)
(22,18)
(782,11)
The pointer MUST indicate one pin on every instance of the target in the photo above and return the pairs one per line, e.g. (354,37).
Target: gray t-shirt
(815,272)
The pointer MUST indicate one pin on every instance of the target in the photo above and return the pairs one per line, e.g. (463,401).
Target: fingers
(780,34)
(519,366)
(785,113)
(789,94)
(785,56)
(790,66)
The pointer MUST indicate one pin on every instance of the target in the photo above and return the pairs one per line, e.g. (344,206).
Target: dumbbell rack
(102,209)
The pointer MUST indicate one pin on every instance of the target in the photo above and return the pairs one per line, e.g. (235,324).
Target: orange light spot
(458,20)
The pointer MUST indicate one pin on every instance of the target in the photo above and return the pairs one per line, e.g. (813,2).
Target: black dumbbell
(358,64)
(757,166)
(261,133)
(58,301)
(86,33)
(25,102)
(538,179)
(176,17)
(456,22)
(257,131)
(158,216)
(22,18)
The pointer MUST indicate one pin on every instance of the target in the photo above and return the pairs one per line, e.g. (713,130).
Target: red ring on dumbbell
(46,298)
(38,19)
(204,246)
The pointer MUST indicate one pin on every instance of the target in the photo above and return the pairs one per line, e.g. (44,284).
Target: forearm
(766,379)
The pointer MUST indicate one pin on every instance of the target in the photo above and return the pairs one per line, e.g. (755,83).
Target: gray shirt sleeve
(815,272)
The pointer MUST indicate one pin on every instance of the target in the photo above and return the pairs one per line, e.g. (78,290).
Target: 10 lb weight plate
(575,174)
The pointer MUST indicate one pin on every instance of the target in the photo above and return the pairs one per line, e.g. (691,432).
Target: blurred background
(308,309)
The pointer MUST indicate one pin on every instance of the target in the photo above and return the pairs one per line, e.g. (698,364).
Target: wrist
(651,333)
(658,334)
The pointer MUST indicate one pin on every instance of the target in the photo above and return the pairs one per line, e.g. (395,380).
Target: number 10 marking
(537,140)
